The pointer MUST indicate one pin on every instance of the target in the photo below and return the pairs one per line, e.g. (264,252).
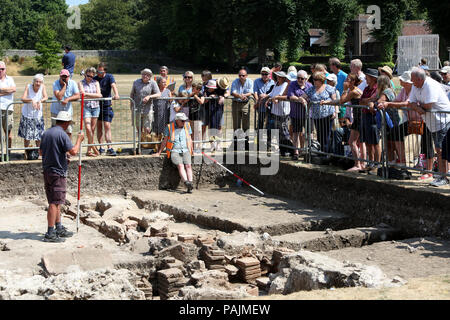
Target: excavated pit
(226,242)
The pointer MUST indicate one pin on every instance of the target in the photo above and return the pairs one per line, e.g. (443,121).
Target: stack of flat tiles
(249,269)
(170,281)
(213,256)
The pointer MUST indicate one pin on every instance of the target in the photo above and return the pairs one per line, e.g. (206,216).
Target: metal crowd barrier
(122,127)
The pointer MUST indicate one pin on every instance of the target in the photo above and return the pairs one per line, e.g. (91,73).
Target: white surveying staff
(79,164)
(234,174)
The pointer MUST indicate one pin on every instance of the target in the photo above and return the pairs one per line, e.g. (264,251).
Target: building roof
(415,27)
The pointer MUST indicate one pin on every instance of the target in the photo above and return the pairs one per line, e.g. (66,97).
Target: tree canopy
(211,32)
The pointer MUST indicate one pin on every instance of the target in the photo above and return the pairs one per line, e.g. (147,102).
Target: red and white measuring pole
(79,164)
(234,174)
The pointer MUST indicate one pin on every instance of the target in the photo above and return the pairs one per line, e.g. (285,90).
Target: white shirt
(8,82)
(27,109)
(282,108)
(363,83)
(432,92)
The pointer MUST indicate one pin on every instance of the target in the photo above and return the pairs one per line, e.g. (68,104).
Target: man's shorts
(180,158)
(91,112)
(55,187)
(438,136)
(10,119)
(69,128)
(369,133)
(106,114)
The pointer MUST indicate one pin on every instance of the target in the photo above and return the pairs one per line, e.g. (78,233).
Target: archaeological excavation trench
(143,238)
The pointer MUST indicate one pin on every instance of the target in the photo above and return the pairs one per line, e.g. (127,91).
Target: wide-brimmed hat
(387,70)
(331,77)
(223,83)
(406,77)
(281,74)
(63,116)
(372,73)
(211,84)
(181,116)
(292,76)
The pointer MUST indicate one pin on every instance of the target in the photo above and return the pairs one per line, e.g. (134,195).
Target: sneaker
(52,237)
(101,151)
(189,186)
(63,232)
(439,182)
(295,157)
(111,152)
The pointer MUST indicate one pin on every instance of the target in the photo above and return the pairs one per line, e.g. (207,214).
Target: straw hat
(223,83)
(63,116)
(387,70)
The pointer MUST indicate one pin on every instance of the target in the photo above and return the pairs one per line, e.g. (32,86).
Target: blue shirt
(71,89)
(341,76)
(180,142)
(260,87)
(236,87)
(105,87)
(54,144)
(69,61)
(318,111)
(183,88)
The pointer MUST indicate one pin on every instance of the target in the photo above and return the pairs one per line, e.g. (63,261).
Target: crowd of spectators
(343,113)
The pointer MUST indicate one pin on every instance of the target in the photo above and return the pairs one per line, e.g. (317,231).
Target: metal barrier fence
(383,139)
(122,129)
(131,127)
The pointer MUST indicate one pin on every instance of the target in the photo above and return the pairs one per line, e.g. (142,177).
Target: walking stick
(234,174)
(79,164)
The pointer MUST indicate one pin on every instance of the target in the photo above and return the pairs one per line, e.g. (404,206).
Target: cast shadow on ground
(20,235)
(438,247)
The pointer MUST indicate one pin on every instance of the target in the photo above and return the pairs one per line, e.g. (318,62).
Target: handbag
(415,127)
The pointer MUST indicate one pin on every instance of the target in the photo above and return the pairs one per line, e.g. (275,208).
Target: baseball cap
(64,72)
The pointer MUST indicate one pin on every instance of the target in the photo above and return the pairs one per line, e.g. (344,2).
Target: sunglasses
(300,78)
(88,76)
(318,80)
(242,75)
(64,77)
(100,72)
(186,77)
(2,69)
(264,74)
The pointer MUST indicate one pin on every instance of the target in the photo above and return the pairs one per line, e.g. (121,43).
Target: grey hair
(164,68)
(38,76)
(302,73)
(147,71)
(419,73)
(90,70)
(356,63)
(159,79)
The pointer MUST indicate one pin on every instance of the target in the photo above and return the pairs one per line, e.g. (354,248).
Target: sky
(76,2)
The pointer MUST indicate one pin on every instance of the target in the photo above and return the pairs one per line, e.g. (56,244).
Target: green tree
(393,13)
(334,16)
(48,49)
(106,24)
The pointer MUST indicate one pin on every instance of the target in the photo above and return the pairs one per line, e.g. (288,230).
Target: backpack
(396,174)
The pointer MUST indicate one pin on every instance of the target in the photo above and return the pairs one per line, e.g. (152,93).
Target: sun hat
(292,69)
(372,73)
(292,76)
(265,69)
(223,83)
(406,77)
(181,116)
(64,72)
(281,74)
(63,116)
(211,84)
(445,69)
(387,70)
(332,77)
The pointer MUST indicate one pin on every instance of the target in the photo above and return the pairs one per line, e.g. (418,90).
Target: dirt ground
(422,262)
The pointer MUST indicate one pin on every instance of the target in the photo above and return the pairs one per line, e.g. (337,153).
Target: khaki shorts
(69,128)
(10,119)
(181,158)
